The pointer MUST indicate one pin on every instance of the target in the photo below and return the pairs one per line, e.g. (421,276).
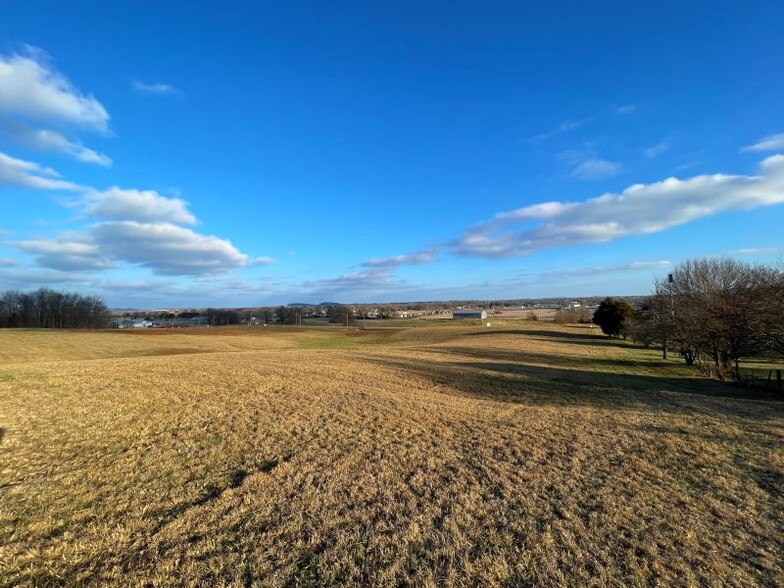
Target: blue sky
(189,154)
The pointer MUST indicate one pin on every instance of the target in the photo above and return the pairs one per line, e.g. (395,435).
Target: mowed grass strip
(433,456)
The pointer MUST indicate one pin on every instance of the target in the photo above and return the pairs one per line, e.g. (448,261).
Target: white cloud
(38,106)
(626,109)
(137,205)
(656,150)
(594,168)
(154,88)
(257,261)
(536,211)
(64,255)
(32,175)
(32,89)
(410,259)
(769,143)
(141,228)
(640,209)
(26,279)
(166,248)
(47,140)
(5,262)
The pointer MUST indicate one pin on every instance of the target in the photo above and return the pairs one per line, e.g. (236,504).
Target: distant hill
(306,304)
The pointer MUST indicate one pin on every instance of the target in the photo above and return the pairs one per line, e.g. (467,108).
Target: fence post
(778,380)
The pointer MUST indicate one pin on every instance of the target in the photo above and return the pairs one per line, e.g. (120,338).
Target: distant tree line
(286,315)
(220,316)
(341,315)
(712,312)
(49,309)
(565,316)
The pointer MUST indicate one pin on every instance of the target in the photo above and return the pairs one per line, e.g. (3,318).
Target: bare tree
(47,308)
(716,311)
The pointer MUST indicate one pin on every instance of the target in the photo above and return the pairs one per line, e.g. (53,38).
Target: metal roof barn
(469,314)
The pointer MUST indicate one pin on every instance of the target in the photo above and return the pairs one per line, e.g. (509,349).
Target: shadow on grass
(670,375)
(767,479)
(560,336)
(505,380)
(596,364)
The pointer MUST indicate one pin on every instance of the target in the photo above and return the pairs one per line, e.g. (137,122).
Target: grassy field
(527,455)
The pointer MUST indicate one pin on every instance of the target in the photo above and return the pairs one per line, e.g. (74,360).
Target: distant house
(469,314)
(127,323)
(408,313)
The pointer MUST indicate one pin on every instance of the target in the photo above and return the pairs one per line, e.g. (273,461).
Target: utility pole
(670,281)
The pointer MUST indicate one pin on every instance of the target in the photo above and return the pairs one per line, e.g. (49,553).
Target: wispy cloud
(28,278)
(595,168)
(656,150)
(769,143)
(48,140)
(626,109)
(605,269)
(5,262)
(398,260)
(640,209)
(757,251)
(565,127)
(568,275)
(32,175)
(370,279)
(153,88)
(585,164)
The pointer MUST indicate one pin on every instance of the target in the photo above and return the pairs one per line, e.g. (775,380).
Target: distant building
(408,313)
(469,314)
(194,321)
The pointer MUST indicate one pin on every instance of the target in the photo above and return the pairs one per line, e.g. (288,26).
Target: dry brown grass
(533,456)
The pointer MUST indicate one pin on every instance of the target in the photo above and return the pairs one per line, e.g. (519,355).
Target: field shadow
(612,370)
(767,479)
(559,337)
(507,381)
(568,361)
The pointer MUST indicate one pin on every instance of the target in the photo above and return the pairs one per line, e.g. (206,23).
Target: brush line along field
(527,455)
